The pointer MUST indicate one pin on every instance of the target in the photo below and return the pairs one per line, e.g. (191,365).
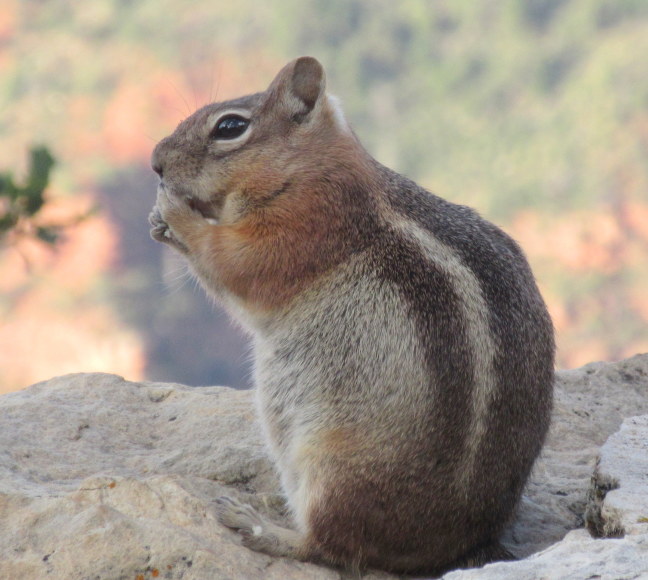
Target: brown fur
(404,356)
(283,241)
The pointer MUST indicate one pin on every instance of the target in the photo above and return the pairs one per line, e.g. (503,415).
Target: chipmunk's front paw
(159,228)
(161,232)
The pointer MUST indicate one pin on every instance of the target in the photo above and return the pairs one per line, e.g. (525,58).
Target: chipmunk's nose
(162,153)
(156,162)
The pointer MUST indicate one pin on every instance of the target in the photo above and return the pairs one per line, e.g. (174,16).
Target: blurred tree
(532,111)
(20,205)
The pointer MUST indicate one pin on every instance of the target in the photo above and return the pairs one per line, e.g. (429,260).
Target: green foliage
(515,107)
(507,106)
(21,204)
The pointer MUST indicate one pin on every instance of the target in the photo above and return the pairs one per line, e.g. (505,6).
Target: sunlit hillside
(535,112)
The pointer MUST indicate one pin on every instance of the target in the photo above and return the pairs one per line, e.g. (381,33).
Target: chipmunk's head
(232,156)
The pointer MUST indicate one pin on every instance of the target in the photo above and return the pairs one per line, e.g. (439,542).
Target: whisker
(179,93)
(220,72)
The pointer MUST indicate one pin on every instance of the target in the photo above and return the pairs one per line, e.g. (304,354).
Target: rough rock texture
(619,492)
(617,509)
(104,478)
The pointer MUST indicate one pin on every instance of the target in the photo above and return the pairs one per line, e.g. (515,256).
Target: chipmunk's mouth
(206,209)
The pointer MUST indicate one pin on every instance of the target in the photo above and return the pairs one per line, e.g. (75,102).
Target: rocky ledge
(101,478)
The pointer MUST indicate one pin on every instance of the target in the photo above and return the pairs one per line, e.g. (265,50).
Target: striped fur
(403,354)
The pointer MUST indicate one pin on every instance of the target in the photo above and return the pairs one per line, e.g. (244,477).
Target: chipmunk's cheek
(205,209)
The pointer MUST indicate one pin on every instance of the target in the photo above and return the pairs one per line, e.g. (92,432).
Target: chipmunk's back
(415,380)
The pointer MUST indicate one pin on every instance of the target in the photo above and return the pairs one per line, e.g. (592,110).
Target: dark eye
(230,127)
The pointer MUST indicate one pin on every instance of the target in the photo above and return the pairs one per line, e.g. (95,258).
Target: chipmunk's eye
(230,127)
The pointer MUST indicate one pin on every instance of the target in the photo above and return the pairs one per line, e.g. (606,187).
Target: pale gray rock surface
(104,478)
(590,404)
(619,492)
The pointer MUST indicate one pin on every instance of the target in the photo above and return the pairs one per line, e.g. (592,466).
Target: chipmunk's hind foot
(258,533)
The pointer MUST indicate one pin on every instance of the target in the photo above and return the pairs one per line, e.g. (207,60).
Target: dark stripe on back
(435,308)
(520,326)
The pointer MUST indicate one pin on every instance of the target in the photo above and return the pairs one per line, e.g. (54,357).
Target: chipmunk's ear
(299,86)
(308,80)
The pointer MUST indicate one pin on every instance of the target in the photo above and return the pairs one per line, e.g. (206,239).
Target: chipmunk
(403,353)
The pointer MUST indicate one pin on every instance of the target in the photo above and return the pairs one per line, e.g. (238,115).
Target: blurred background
(535,112)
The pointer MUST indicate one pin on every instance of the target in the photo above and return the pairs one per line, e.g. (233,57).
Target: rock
(619,491)
(576,557)
(590,404)
(617,508)
(105,478)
